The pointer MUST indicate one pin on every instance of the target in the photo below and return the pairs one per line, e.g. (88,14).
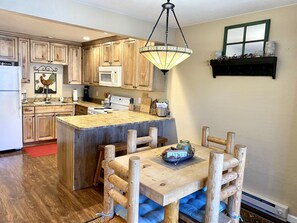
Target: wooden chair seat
(121,186)
(207,206)
(120,149)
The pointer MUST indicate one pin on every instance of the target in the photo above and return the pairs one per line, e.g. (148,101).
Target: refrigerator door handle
(20,93)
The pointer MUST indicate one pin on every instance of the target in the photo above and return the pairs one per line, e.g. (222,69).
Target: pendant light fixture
(165,57)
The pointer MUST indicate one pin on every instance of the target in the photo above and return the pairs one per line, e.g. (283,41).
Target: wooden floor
(30,192)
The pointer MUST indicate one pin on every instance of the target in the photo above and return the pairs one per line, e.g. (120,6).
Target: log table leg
(171,212)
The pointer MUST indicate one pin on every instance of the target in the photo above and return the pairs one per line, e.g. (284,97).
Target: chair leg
(97,176)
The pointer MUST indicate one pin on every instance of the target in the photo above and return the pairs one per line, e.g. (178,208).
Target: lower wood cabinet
(45,126)
(39,123)
(28,128)
(81,110)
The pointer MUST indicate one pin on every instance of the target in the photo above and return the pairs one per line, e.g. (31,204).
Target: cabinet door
(8,48)
(81,110)
(106,54)
(70,113)
(24,59)
(96,63)
(28,128)
(45,126)
(144,71)
(40,52)
(116,58)
(129,63)
(59,53)
(87,65)
(72,72)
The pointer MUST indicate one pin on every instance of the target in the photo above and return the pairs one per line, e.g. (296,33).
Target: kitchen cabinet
(90,64)
(24,59)
(81,110)
(96,63)
(112,53)
(28,124)
(39,122)
(72,72)
(8,48)
(137,71)
(46,52)
(45,126)
(86,65)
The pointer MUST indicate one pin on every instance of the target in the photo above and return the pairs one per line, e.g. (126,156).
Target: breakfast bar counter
(79,136)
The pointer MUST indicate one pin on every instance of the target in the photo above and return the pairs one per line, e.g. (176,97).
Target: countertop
(54,103)
(107,120)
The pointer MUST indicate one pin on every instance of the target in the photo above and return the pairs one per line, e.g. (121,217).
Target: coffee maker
(86,94)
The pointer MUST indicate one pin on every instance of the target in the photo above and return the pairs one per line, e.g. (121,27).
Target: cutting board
(145,105)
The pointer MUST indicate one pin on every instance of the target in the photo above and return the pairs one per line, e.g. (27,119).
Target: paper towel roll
(74,96)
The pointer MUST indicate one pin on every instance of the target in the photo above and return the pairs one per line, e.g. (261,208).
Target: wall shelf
(258,66)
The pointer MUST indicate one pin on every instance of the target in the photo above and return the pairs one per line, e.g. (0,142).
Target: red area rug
(42,150)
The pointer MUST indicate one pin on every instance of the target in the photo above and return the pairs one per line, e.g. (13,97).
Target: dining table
(165,182)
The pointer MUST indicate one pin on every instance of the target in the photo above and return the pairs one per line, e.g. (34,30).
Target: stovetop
(117,103)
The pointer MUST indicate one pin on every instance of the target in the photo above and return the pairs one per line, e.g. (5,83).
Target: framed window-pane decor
(246,38)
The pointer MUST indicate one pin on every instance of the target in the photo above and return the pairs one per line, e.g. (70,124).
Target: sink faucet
(46,95)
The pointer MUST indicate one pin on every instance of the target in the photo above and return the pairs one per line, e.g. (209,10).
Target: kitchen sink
(47,103)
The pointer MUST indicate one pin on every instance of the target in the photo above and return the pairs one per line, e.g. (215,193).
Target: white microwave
(110,76)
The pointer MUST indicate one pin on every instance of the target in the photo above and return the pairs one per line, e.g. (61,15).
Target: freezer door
(10,121)
(10,79)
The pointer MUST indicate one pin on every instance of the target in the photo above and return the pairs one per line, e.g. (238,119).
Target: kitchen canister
(270,48)
(74,96)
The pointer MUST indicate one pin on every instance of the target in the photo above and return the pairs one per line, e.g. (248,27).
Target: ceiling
(188,12)
(20,23)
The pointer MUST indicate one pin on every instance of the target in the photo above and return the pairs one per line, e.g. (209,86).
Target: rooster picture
(44,83)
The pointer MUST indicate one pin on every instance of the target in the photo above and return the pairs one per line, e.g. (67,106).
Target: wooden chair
(224,144)
(212,212)
(120,149)
(122,186)
(133,141)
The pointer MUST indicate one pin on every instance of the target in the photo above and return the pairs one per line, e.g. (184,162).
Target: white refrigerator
(11,108)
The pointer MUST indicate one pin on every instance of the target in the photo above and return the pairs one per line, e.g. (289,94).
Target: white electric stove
(117,103)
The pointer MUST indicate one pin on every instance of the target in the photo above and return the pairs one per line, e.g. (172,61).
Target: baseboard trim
(292,219)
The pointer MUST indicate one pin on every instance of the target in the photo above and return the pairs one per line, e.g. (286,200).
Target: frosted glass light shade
(165,57)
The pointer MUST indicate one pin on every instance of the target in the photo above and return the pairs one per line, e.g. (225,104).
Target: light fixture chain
(154,27)
(166,32)
(180,28)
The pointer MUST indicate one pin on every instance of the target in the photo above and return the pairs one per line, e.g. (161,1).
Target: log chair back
(227,144)
(118,178)
(215,191)
(133,141)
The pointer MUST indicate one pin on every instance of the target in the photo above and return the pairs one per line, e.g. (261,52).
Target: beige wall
(262,111)
(64,90)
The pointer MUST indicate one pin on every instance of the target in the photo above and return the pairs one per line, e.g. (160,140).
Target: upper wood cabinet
(59,53)
(137,71)
(96,50)
(112,53)
(86,65)
(8,48)
(24,59)
(129,64)
(72,72)
(45,52)
(90,65)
